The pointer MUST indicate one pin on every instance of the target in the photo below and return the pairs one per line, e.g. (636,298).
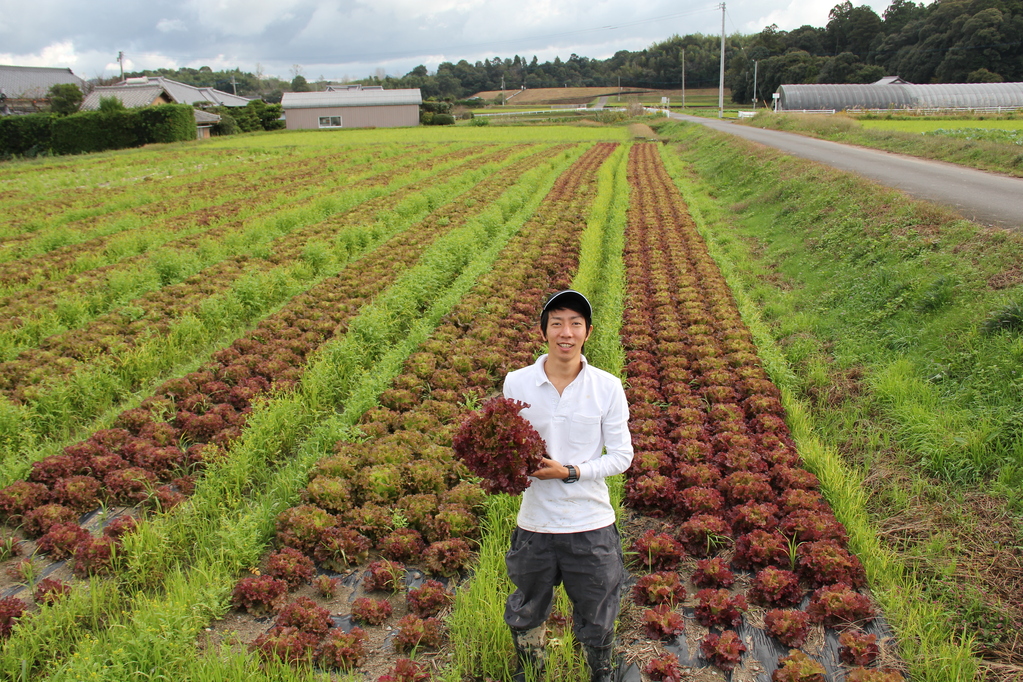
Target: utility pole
(755,83)
(721,79)
(619,88)
(683,80)
(120,60)
(234,85)
(503,100)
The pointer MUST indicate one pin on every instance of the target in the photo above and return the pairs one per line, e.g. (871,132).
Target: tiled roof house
(33,82)
(146,91)
(23,88)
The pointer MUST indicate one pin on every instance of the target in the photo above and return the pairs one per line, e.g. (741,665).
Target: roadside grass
(893,330)
(918,125)
(981,154)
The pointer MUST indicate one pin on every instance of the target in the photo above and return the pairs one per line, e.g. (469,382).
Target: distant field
(935,124)
(551,95)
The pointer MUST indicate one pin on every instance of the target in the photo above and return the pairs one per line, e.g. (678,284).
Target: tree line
(948,41)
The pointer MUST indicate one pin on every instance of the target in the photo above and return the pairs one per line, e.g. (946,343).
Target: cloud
(417,9)
(246,18)
(801,12)
(55,54)
(170,25)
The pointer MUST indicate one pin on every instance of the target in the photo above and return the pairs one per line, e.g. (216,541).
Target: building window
(330,121)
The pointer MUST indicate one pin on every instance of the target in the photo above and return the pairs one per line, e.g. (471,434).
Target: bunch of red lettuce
(499,446)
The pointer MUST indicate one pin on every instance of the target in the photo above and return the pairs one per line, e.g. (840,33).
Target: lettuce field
(231,374)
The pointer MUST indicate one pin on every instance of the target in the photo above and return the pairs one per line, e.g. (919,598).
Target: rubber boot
(530,654)
(601,662)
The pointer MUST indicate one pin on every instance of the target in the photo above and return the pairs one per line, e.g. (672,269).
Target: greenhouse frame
(894,93)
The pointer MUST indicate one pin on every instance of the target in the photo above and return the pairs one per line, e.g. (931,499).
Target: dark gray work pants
(589,564)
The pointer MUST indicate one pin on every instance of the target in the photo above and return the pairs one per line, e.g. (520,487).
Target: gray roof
(351,98)
(183,93)
(132,96)
(135,96)
(140,92)
(901,95)
(31,82)
(205,117)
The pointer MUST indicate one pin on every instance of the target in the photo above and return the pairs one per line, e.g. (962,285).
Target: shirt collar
(541,375)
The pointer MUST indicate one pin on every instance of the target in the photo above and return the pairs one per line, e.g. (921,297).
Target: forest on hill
(948,41)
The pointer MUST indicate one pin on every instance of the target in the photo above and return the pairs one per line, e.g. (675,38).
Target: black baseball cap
(571,299)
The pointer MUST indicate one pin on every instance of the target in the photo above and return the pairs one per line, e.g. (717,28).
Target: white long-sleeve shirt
(591,414)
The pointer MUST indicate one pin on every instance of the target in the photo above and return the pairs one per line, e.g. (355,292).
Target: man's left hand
(550,469)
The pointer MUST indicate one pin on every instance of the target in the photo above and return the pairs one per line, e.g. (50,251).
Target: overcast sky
(359,38)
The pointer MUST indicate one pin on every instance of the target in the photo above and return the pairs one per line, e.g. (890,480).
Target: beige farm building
(354,106)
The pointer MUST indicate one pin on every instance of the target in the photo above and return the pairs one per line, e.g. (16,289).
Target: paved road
(987,198)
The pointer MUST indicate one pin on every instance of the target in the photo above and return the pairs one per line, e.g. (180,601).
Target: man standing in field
(566,526)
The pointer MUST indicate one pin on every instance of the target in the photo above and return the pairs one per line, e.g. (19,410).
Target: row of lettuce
(715,458)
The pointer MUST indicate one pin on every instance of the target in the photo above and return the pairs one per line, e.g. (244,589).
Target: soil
(19,573)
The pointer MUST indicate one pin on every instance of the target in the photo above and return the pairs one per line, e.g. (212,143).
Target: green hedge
(168,123)
(24,135)
(95,131)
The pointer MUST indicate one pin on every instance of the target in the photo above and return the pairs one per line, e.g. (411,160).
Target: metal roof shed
(352,107)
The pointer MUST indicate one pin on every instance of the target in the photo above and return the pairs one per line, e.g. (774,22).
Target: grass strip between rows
(225,525)
(925,641)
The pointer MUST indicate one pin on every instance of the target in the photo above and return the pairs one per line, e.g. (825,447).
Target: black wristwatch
(573,474)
